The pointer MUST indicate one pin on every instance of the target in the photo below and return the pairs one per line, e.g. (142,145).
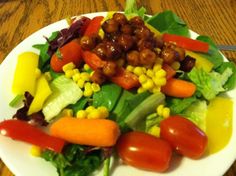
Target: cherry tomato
(70,52)
(94,26)
(184,136)
(144,151)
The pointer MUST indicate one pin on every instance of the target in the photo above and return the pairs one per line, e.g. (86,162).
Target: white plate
(16,154)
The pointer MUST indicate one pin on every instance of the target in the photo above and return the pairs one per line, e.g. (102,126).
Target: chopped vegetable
(231,82)
(219,123)
(71,52)
(42,92)
(15,101)
(23,131)
(93,132)
(108,96)
(201,61)
(170,72)
(94,26)
(143,109)
(75,160)
(169,22)
(178,88)
(27,63)
(213,54)
(209,84)
(64,92)
(186,43)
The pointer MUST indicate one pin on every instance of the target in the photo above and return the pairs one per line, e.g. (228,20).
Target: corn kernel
(89,109)
(156,67)
(175,65)
(148,84)
(95,87)
(142,78)
(138,71)
(48,76)
(160,109)
(80,83)
(160,73)
(159,81)
(166,112)
(104,111)
(35,151)
(141,90)
(88,92)
(94,114)
(37,72)
(81,114)
(155,131)
(150,73)
(86,67)
(130,68)
(88,85)
(69,66)
(76,70)
(67,112)
(69,73)
(85,76)
(156,89)
(144,69)
(76,77)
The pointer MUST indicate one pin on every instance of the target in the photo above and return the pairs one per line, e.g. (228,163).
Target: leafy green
(139,113)
(74,160)
(79,105)
(214,54)
(107,96)
(177,105)
(196,112)
(209,84)
(64,92)
(152,120)
(126,104)
(131,9)
(231,83)
(43,48)
(169,22)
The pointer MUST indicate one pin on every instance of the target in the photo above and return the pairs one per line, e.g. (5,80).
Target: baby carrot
(178,88)
(93,132)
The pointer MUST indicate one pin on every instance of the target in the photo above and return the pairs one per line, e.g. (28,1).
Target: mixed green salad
(126,84)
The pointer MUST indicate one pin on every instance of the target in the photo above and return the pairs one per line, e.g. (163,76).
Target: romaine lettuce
(209,84)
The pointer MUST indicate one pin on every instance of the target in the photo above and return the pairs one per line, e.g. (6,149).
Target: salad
(126,84)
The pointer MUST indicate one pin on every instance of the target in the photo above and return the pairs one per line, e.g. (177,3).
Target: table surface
(20,18)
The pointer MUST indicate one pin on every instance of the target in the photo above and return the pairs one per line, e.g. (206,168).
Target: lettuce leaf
(214,54)
(231,82)
(209,84)
(169,22)
(178,105)
(131,9)
(196,113)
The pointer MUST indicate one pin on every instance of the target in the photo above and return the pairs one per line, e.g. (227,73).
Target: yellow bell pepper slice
(219,123)
(25,77)
(42,92)
(201,62)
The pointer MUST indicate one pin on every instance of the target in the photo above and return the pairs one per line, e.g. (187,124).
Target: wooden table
(20,18)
